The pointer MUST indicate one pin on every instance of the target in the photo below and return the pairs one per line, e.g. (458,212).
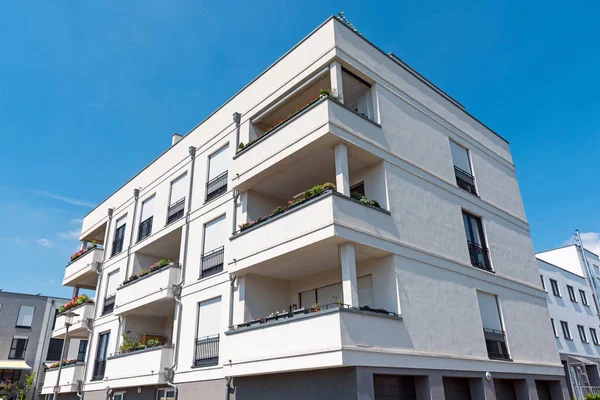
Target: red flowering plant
(75,301)
(154,267)
(63,362)
(79,253)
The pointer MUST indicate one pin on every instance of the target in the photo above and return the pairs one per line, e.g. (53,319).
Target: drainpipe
(228,380)
(232,279)
(136,196)
(236,195)
(177,288)
(237,118)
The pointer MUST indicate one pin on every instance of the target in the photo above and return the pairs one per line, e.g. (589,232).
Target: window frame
(140,237)
(571,292)
(121,394)
(594,336)
(554,328)
(220,191)
(13,349)
(543,283)
(555,287)
(113,250)
(566,331)
(17,325)
(584,299)
(165,390)
(582,335)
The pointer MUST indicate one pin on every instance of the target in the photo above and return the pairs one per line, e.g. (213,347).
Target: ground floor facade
(348,383)
(582,375)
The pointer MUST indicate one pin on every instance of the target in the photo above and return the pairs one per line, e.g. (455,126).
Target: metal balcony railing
(109,304)
(581,392)
(216,186)
(479,256)
(207,351)
(117,245)
(176,211)
(99,368)
(495,341)
(465,180)
(145,229)
(212,262)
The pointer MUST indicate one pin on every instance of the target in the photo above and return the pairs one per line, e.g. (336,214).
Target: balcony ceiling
(165,247)
(97,234)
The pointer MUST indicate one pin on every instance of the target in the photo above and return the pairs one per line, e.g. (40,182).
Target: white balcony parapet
(69,376)
(141,367)
(320,340)
(149,295)
(81,272)
(80,324)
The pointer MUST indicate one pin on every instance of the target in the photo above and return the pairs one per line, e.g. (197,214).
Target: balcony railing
(207,351)
(176,211)
(145,229)
(479,256)
(109,304)
(582,391)
(465,180)
(212,262)
(99,368)
(216,186)
(117,246)
(495,341)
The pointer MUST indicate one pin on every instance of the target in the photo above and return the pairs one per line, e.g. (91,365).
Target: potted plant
(315,307)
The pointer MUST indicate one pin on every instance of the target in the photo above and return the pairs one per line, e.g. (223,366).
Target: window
(119,396)
(583,298)
(571,293)
(179,188)
(207,332)
(165,394)
(117,245)
(594,336)
(13,375)
(476,242)
(554,327)
(331,294)
(25,317)
(111,292)
(555,289)
(82,350)
(582,335)
(54,350)
(462,168)
(215,234)
(18,347)
(100,361)
(358,190)
(495,339)
(357,94)
(543,283)
(216,184)
(565,329)
(146,216)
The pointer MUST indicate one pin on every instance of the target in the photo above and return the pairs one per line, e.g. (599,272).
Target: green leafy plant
(315,307)
(328,186)
(278,210)
(23,392)
(130,344)
(76,301)
(153,343)
(154,267)
(241,146)
(317,190)
(592,396)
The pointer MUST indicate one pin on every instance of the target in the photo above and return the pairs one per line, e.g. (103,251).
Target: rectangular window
(565,329)
(179,188)
(554,327)
(25,317)
(207,332)
(495,338)
(331,294)
(18,347)
(217,173)
(146,217)
(478,251)
(555,289)
(543,283)
(165,394)
(582,335)
(54,350)
(583,298)
(357,191)
(594,336)
(213,250)
(118,396)
(101,352)
(571,293)
(82,350)
(462,168)
(357,94)
(112,282)
(117,245)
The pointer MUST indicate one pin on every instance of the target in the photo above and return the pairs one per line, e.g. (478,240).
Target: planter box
(78,328)
(145,367)
(69,376)
(82,272)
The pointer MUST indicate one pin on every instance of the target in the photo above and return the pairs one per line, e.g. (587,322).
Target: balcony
(145,367)
(495,341)
(69,376)
(293,343)
(149,293)
(296,240)
(79,325)
(81,272)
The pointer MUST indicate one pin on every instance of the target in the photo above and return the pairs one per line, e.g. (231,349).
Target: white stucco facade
(328,282)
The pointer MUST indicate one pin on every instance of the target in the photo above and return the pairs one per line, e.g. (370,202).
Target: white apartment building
(412,277)
(573,314)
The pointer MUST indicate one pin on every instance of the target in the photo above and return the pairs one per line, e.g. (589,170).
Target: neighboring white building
(573,315)
(430,292)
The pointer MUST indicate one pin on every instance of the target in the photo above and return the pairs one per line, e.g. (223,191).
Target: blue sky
(91,91)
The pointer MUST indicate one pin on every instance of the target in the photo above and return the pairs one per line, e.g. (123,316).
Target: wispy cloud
(70,200)
(74,234)
(52,282)
(44,242)
(591,241)
(76,221)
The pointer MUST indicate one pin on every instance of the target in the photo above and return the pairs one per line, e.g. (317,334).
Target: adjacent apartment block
(574,314)
(339,229)
(26,324)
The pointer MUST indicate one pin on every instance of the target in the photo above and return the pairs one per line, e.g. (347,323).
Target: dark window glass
(476,241)
(17,349)
(54,350)
(82,350)
(117,246)
(571,293)
(582,335)
(555,289)
(565,329)
(101,352)
(583,298)
(594,336)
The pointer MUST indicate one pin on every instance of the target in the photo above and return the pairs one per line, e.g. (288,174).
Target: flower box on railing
(75,302)
(152,269)
(80,253)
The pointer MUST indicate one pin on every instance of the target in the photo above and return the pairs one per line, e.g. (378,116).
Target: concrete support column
(342,178)
(436,386)
(349,285)
(75,292)
(84,244)
(559,390)
(335,74)
(364,383)
(531,390)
